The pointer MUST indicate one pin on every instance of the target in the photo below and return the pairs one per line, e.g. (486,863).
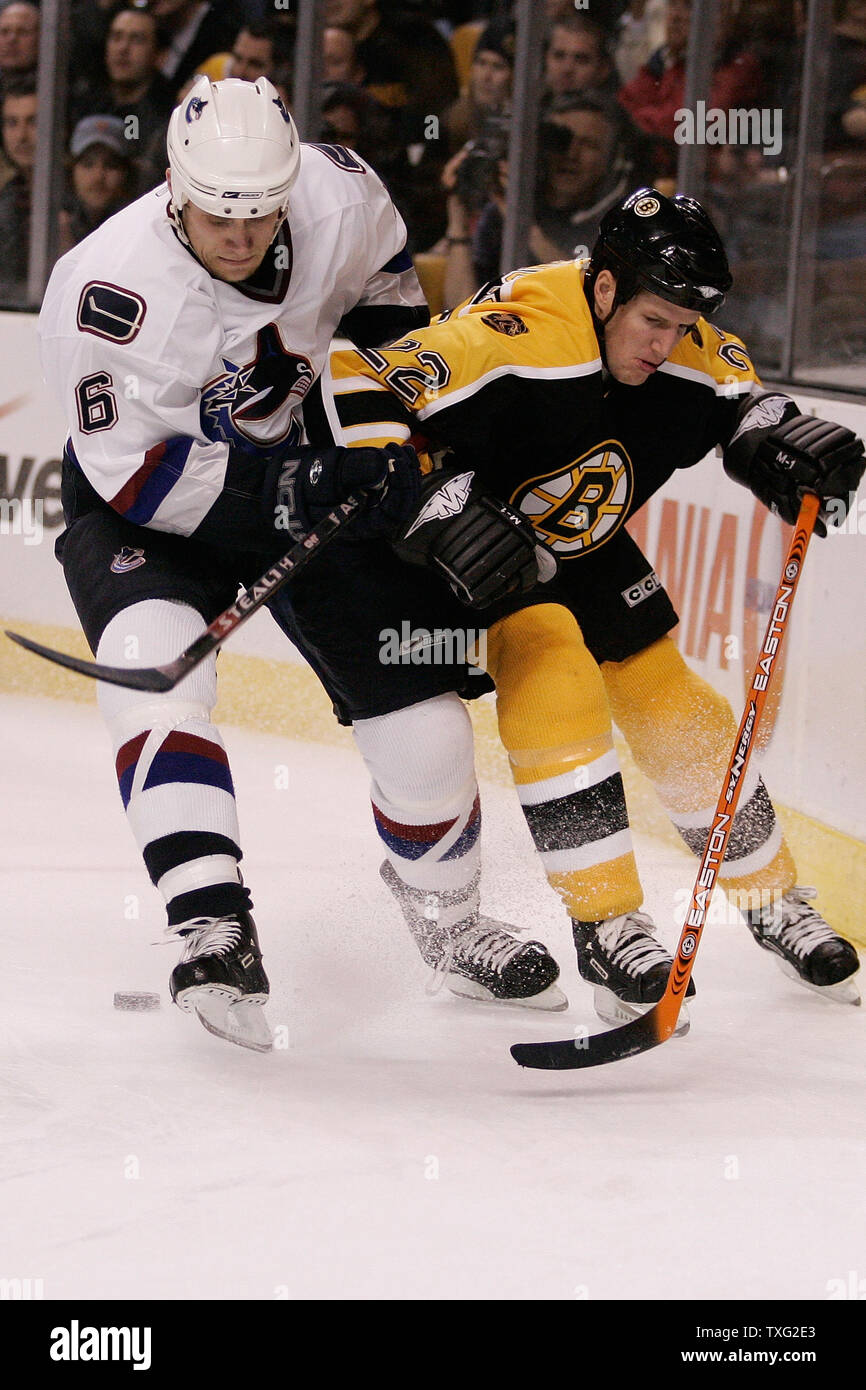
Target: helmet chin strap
(175,214)
(600,325)
(284,212)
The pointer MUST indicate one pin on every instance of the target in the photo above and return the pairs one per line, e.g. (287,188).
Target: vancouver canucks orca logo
(194,109)
(252,403)
(578,507)
(128,558)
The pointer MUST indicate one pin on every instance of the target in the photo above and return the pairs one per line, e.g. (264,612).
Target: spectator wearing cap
(134,89)
(103,177)
(489,90)
(18,108)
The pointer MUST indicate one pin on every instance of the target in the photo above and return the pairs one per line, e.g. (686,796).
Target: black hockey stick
(166,677)
(659,1022)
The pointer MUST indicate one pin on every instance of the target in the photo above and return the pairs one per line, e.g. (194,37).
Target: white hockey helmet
(233,150)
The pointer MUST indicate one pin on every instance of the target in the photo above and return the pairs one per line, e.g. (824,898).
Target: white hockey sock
(424,793)
(171,764)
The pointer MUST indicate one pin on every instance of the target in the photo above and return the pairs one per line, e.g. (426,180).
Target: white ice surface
(393,1149)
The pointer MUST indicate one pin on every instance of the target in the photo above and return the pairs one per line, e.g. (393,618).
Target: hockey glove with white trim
(483,547)
(314,481)
(780,454)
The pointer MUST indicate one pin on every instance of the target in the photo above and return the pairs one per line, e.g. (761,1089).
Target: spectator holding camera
(588,160)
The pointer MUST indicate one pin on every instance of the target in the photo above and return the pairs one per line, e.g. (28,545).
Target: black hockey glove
(311,483)
(484,548)
(780,454)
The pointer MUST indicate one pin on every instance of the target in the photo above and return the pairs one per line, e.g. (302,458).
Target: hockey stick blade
(593,1050)
(660,1021)
(146,678)
(162,678)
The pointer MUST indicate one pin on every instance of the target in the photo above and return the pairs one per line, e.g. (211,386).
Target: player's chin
(233,271)
(634,375)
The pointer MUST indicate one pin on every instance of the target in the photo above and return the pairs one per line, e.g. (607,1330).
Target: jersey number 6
(97,409)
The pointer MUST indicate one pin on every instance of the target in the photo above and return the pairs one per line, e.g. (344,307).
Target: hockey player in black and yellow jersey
(572,392)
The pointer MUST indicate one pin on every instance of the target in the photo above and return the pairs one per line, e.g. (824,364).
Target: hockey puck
(138,1001)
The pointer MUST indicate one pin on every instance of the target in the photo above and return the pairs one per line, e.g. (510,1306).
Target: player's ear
(604,291)
(168,179)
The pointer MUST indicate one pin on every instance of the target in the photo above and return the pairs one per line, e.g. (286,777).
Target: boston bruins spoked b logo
(580,506)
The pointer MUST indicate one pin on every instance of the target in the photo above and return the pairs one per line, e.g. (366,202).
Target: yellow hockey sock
(681,732)
(555,724)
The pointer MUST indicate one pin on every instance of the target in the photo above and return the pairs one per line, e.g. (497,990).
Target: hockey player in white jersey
(181,337)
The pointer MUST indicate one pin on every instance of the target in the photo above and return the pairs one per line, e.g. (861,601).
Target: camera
(478,175)
(553,138)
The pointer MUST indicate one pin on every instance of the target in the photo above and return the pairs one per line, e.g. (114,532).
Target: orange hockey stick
(657,1025)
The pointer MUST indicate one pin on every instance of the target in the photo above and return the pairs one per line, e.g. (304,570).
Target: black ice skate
(220,978)
(627,966)
(476,956)
(805,947)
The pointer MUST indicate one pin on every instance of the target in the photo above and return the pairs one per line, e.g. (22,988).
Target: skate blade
(236,1019)
(844,992)
(612,1009)
(551,999)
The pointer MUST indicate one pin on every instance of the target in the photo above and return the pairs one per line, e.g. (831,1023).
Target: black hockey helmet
(668,246)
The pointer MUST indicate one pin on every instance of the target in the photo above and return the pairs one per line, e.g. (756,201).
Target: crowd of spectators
(423,89)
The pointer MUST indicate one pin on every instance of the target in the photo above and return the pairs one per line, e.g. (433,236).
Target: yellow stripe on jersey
(539,326)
